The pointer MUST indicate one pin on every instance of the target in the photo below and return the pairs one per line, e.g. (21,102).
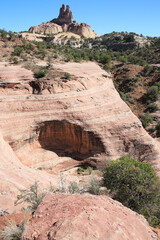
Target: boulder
(86,217)
(46,28)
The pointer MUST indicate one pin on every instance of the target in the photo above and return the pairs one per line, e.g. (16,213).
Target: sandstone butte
(64,23)
(86,217)
(71,123)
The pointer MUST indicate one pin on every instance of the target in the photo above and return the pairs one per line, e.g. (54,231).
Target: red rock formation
(69,139)
(64,23)
(86,217)
(46,28)
(65,16)
(97,123)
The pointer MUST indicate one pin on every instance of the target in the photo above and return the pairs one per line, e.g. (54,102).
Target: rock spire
(65,16)
(64,23)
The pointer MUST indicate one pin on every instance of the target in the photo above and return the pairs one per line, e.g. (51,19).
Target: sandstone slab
(86,217)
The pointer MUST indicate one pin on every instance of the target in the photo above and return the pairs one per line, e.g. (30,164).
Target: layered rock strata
(71,123)
(14,176)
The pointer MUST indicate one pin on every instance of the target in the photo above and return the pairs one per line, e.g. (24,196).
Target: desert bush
(80,170)
(14,60)
(49,62)
(3,34)
(24,57)
(89,170)
(122,95)
(153,93)
(152,107)
(105,58)
(13,231)
(73,188)
(85,171)
(41,73)
(18,51)
(147,69)
(12,35)
(94,186)
(29,46)
(134,184)
(107,67)
(146,119)
(67,75)
(33,196)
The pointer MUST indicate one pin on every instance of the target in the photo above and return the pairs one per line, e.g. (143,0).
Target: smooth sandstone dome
(71,123)
(86,217)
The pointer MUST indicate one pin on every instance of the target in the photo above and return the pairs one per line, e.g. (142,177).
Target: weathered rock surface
(123,41)
(15,218)
(14,176)
(75,122)
(65,16)
(82,29)
(86,217)
(14,78)
(32,36)
(46,28)
(64,23)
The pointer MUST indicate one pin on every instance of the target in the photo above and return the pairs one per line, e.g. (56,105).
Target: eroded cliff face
(96,119)
(82,119)
(67,139)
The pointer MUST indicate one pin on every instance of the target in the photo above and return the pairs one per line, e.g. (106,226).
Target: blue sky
(140,16)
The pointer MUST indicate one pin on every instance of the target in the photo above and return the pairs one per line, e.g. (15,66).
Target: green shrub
(33,196)
(73,188)
(86,171)
(105,58)
(147,69)
(107,67)
(67,75)
(15,60)
(153,93)
(18,51)
(135,185)
(146,119)
(3,34)
(122,95)
(152,107)
(43,53)
(94,186)
(89,170)
(24,57)
(41,73)
(49,62)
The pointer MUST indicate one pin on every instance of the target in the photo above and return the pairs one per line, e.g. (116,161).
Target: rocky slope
(14,176)
(76,122)
(64,23)
(86,217)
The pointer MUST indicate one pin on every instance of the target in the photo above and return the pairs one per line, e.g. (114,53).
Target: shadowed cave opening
(68,139)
